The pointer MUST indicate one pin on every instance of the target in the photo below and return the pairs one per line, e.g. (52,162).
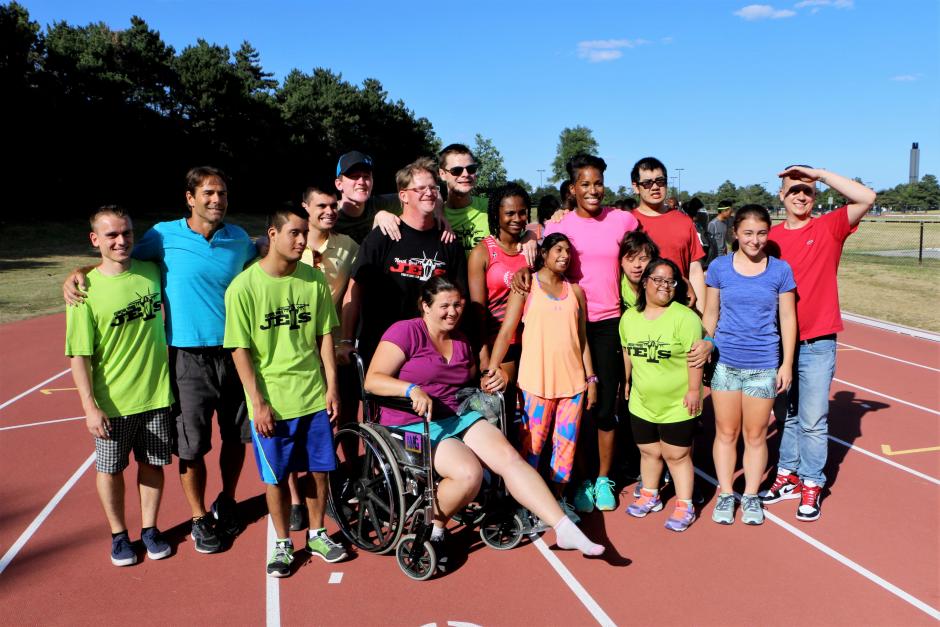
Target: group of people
(593,318)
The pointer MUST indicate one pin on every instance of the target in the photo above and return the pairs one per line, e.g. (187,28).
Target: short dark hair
(114,210)
(564,193)
(646,163)
(453,149)
(680,294)
(280,216)
(727,203)
(757,212)
(582,160)
(637,241)
(547,244)
(548,205)
(197,175)
(318,188)
(497,196)
(434,286)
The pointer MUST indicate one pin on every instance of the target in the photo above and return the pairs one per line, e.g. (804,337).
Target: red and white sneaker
(809,503)
(784,487)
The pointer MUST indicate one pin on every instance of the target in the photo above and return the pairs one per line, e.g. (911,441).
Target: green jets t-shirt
(657,350)
(471,223)
(120,327)
(278,321)
(627,295)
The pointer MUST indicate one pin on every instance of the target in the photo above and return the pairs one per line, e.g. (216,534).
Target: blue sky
(721,89)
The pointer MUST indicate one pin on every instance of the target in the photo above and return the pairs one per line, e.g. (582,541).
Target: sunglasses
(648,183)
(809,190)
(457,170)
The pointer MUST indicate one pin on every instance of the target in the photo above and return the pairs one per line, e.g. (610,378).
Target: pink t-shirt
(596,263)
(427,368)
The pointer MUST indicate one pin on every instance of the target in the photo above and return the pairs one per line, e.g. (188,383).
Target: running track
(872,559)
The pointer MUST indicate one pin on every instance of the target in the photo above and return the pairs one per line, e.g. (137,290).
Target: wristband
(408,390)
(591,379)
(344,341)
(709,338)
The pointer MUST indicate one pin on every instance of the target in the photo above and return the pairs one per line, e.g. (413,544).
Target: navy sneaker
(122,553)
(205,539)
(157,547)
(225,511)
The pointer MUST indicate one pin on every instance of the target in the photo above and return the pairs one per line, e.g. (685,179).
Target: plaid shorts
(147,433)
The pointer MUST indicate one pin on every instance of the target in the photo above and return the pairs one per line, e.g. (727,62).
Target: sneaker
(604,498)
(225,511)
(809,503)
(584,497)
(298,517)
(637,487)
(784,487)
(440,550)
(204,536)
(122,553)
(647,502)
(281,558)
(723,514)
(681,518)
(667,478)
(697,497)
(324,546)
(568,510)
(157,547)
(752,511)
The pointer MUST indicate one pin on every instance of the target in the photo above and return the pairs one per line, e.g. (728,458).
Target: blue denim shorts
(760,383)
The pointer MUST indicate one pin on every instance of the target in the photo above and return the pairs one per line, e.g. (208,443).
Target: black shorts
(603,339)
(674,433)
(205,382)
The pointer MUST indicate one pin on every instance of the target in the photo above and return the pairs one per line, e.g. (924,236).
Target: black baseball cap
(352,159)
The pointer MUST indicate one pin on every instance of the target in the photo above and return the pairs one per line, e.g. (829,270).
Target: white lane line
(579,592)
(34,388)
(842,559)
(887,326)
(893,398)
(890,462)
(903,361)
(272,596)
(336,578)
(36,424)
(41,518)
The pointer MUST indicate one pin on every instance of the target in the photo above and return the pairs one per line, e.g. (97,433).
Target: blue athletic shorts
(758,383)
(298,445)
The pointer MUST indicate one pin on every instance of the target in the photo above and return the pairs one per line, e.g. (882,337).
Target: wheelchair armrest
(392,402)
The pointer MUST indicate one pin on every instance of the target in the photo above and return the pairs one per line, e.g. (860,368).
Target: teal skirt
(452,427)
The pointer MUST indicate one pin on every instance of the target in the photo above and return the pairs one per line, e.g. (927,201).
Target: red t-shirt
(813,253)
(675,234)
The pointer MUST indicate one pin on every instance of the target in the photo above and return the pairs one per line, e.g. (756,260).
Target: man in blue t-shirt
(199,256)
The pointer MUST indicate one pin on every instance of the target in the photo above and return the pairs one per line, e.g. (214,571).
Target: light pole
(678,182)
(542,171)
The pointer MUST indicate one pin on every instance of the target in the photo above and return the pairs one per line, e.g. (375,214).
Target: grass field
(34,261)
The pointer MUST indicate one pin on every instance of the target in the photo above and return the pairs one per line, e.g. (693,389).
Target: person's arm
(349,320)
(529,247)
(74,289)
(628,370)
(328,358)
(261,411)
(382,378)
(496,379)
(693,399)
(697,281)
(95,420)
(585,349)
(788,335)
(476,279)
(710,316)
(860,197)
(521,281)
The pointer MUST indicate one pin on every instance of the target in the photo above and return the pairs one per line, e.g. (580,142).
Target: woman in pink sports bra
(555,371)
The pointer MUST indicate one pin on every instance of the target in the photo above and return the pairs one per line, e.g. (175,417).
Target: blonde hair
(405,176)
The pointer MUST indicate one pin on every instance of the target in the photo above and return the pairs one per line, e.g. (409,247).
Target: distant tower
(915,163)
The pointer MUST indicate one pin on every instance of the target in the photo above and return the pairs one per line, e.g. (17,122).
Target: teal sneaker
(324,546)
(604,498)
(281,558)
(584,497)
(723,514)
(752,511)
(568,510)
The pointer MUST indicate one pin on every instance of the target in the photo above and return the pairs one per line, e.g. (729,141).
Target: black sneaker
(225,511)
(157,547)
(122,553)
(298,517)
(205,539)
(440,549)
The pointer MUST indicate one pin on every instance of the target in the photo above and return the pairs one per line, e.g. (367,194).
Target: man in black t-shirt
(388,274)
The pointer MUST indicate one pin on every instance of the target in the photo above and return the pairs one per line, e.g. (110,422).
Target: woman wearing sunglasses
(665,394)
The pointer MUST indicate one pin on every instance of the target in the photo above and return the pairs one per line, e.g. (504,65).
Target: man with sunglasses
(813,248)
(466,214)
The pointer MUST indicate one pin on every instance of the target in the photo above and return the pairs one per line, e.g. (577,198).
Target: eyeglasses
(457,170)
(661,282)
(648,183)
(427,189)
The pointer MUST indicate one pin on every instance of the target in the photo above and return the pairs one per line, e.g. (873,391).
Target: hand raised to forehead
(801,172)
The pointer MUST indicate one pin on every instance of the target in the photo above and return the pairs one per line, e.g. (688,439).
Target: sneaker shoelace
(809,495)
(751,504)
(281,552)
(779,482)
(725,503)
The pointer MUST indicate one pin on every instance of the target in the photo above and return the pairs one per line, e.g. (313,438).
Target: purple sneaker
(681,518)
(647,502)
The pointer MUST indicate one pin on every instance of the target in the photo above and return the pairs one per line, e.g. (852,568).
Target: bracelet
(709,338)
(592,378)
(408,390)
(344,341)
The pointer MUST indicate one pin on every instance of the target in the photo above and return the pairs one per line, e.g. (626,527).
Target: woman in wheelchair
(427,360)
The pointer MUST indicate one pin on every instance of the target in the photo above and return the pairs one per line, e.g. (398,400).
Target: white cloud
(599,50)
(754,12)
(906,78)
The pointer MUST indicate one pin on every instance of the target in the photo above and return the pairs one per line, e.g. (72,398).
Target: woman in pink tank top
(555,371)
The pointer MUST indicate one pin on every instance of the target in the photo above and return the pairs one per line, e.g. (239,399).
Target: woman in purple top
(427,360)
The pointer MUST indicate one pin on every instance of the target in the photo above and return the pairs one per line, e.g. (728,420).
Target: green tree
(524,184)
(571,141)
(492,172)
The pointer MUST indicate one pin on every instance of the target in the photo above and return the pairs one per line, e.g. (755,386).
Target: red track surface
(879,517)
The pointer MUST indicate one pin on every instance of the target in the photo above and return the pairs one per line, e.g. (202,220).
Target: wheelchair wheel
(422,564)
(502,533)
(365,493)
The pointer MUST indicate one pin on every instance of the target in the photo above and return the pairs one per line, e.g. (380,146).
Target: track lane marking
(571,581)
(886,449)
(839,557)
(903,361)
(34,388)
(41,518)
(37,424)
(272,589)
(885,460)
(893,398)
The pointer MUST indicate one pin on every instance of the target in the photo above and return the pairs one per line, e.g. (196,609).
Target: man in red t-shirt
(812,247)
(672,230)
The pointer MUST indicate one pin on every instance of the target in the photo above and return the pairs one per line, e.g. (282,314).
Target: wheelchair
(382,492)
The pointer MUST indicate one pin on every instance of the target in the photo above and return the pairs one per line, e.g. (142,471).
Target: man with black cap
(357,206)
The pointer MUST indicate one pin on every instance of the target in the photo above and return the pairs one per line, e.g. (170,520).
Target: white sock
(810,484)
(783,472)
(313,533)
(568,536)
(437,533)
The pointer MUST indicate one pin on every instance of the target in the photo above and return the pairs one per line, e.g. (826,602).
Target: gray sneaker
(723,514)
(324,546)
(568,510)
(752,511)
